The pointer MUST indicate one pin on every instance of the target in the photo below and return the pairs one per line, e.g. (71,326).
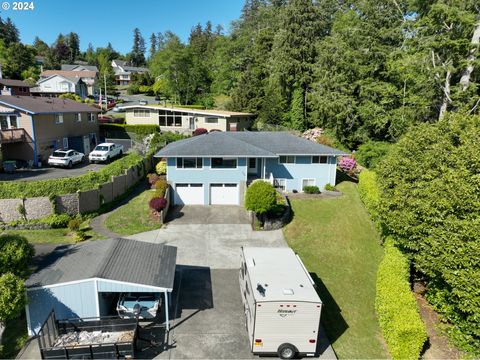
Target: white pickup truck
(105,152)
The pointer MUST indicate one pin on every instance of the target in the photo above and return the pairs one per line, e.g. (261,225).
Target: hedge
(396,306)
(89,181)
(137,129)
(369,192)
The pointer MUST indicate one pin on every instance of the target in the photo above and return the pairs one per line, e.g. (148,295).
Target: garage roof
(122,260)
(246,144)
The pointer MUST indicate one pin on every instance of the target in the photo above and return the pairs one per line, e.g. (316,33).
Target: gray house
(84,280)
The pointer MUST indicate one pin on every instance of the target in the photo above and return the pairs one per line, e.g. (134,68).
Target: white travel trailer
(282,308)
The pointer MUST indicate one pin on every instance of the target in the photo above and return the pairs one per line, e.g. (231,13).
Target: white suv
(66,158)
(105,152)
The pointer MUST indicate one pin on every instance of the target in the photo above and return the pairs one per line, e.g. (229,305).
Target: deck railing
(12,135)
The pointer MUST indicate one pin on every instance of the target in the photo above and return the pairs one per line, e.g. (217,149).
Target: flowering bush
(152,179)
(200,131)
(348,164)
(157,203)
(161,168)
(313,134)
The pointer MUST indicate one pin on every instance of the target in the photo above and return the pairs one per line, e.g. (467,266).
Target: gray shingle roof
(114,259)
(246,144)
(12,82)
(45,105)
(73,67)
(213,144)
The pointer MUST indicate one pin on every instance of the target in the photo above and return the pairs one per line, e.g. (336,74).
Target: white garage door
(189,194)
(224,194)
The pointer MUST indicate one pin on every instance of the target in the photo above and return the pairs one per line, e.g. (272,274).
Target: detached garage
(76,281)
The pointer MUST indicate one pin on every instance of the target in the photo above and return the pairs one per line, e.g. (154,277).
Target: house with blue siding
(85,280)
(215,168)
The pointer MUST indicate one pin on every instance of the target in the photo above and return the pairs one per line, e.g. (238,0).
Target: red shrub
(157,203)
(200,131)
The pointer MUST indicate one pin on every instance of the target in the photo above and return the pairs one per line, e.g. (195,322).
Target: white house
(55,85)
(123,71)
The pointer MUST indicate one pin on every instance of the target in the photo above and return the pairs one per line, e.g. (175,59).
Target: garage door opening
(224,194)
(189,194)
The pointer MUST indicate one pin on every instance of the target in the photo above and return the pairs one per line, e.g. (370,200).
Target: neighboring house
(33,127)
(14,87)
(79,67)
(184,120)
(85,280)
(123,71)
(88,77)
(215,168)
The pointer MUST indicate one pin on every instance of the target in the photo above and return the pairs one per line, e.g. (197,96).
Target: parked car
(149,305)
(66,158)
(143,102)
(104,120)
(105,152)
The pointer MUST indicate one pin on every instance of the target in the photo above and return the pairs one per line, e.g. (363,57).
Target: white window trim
(285,180)
(223,157)
(256,163)
(91,117)
(287,163)
(59,118)
(146,113)
(314,182)
(78,117)
(189,169)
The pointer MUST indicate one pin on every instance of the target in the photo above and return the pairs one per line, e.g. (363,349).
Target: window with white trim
(319,159)
(189,163)
(280,184)
(141,113)
(307,182)
(211,120)
(169,118)
(91,117)
(59,118)
(287,159)
(78,117)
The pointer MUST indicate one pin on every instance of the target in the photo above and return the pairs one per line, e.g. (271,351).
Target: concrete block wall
(67,204)
(119,185)
(106,192)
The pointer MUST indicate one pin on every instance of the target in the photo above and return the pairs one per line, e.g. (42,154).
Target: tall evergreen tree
(137,55)
(73,42)
(153,45)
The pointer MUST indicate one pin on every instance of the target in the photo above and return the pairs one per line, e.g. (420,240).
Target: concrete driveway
(46,173)
(208,319)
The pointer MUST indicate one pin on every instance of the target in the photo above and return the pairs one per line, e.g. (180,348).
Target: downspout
(35,158)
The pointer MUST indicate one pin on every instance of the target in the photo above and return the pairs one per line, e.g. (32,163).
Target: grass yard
(134,217)
(340,247)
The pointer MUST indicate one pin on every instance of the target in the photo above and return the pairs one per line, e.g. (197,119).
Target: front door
(192,123)
(86,144)
(252,166)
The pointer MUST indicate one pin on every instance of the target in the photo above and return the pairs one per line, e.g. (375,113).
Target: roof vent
(288,292)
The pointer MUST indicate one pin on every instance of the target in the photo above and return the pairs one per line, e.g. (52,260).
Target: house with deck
(215,168)
(33,127)
(123,71)
(14,87)
(184,120)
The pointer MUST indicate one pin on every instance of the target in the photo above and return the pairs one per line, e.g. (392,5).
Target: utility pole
(106,97)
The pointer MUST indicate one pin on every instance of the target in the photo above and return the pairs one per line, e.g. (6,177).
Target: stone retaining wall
(77,203)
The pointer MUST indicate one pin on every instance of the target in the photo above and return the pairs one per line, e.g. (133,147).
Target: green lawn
(340,247)
(133,217)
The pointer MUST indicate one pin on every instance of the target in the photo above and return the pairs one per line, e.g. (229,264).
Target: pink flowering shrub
(347,164)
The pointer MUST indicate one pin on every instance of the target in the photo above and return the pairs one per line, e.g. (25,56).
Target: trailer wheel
(287,351)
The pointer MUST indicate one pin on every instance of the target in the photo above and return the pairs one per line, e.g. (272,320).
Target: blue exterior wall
(106,286)
(292,173)
(68,301)
(206,175)
(303,169)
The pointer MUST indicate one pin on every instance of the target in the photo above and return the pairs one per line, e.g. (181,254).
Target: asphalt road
(46,173)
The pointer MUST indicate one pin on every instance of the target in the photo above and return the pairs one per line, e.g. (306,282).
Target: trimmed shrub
(161,187)
(80,235)
(330,187)
(372,152)
(396,306)
(260,197)
(74,224)
(161,168)
(311,190)
(15,253)
(152,179)
(369,192)
(56,221)
(157,203)
(200,131)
